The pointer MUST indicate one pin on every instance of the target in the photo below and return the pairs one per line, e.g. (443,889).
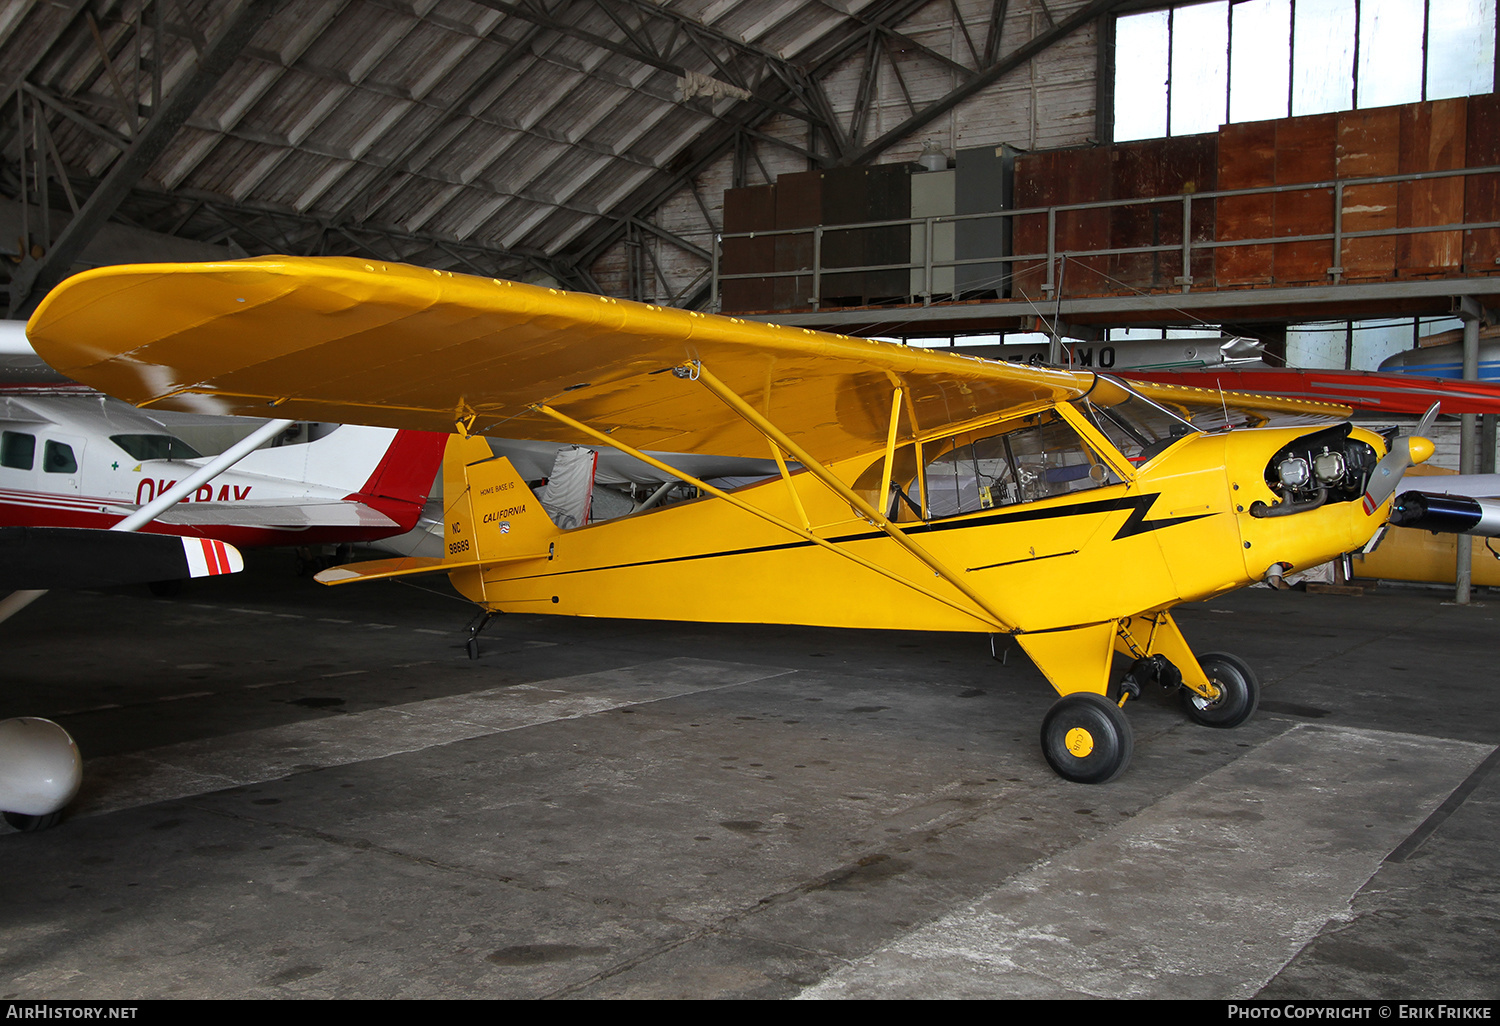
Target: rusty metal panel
(1135,170)
(1482,192)
(1083,175)
(751,209)
(1161,167)
(1368,146)
(1032,188)
(844,202)
(1247,160)
(1304,153)
(799,204)
(889,196)
(1055,178)
(1190,164)
(1432,139)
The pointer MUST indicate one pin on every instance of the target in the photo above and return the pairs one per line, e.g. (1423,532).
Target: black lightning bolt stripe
(1136,523)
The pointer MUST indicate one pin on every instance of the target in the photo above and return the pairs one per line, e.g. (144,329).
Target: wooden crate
(889,197)
(1134,171)
(845,201)
(1083,176)
(983,181)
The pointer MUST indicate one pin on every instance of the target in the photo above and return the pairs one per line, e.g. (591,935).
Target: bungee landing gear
(1087,739)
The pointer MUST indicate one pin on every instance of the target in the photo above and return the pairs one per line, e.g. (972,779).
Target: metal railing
(1052,257)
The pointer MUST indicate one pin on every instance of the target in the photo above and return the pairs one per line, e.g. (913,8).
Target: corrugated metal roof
(475,119)
(488,124)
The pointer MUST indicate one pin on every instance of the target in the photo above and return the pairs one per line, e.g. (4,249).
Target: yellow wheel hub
(1079,742)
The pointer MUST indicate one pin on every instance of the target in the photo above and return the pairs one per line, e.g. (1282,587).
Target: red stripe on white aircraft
(207,557)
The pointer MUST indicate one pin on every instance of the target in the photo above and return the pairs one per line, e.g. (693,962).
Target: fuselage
(1179,525)
(73,461)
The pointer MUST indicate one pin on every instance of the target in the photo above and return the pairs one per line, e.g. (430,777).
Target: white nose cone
(40,768)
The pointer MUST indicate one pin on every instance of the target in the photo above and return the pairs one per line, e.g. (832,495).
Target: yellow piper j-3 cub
(917,489)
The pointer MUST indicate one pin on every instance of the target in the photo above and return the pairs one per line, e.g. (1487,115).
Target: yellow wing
(346,340)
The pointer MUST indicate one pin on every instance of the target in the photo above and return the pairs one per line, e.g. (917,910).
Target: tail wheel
(1239,692)
(1086,738)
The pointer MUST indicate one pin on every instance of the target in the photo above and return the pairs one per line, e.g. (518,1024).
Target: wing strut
(983,614)
(843,491)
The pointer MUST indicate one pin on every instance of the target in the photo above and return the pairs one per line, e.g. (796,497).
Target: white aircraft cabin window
(155,447)
(57,458)
(17,450)
(1038,459)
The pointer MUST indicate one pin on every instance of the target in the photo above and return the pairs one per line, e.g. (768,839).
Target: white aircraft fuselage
(88,461)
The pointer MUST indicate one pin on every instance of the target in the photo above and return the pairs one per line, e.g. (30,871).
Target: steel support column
(1468,457)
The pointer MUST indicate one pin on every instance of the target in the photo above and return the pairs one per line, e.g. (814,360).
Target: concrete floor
(297,791)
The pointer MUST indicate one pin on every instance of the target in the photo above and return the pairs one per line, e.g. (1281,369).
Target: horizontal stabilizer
(70,557)
(405,566)
(291,514)
(376,569)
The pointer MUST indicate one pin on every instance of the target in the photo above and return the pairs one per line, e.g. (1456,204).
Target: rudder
(491,515)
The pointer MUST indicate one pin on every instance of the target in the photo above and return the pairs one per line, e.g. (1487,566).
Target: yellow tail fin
(491,515)
(491,518)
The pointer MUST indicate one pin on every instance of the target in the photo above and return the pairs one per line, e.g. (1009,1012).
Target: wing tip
(209,557)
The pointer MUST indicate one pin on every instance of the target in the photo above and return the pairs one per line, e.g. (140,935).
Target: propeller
(1406,451)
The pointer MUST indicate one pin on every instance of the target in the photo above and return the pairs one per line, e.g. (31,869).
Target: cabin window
(1040,458)
(155,447)
(57,458)
(17,450)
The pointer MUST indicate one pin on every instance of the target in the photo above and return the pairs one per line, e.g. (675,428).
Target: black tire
(1086,738)
(26,824)
(1241,692)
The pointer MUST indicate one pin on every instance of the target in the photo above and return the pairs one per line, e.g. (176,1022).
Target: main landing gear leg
(476,625)
(1217,689)
(1085,735)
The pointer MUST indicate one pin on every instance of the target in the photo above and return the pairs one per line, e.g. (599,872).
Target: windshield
(155,447)
(1138,427)
(1038,458)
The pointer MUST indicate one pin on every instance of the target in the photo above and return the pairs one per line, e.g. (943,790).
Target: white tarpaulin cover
(570,486)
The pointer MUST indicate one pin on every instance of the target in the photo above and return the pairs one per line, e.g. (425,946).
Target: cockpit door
(61,460)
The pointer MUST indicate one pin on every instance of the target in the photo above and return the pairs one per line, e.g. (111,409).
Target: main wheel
(1086,738)
(1239,692)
